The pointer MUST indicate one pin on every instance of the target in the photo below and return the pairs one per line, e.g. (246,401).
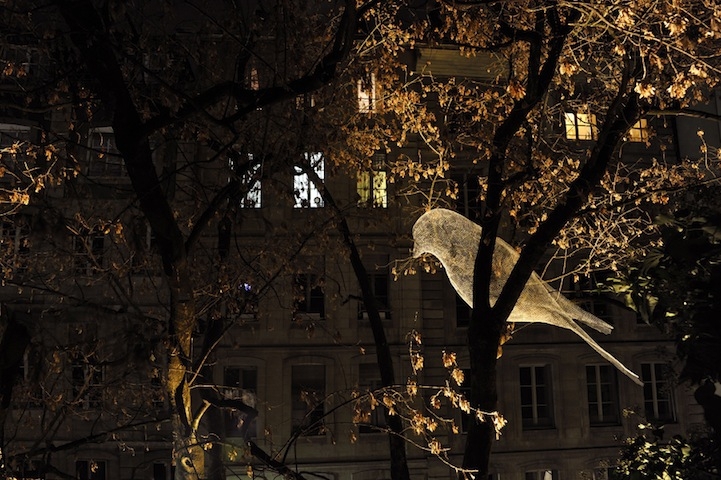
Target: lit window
(253,79)
(371,419)
(88,250)
(542,475)
(536,397)
(602,394)
(372,185)
(90,470)
(104,159)
(657,394)
(639,132)
(367,101)
(306,193)
(308,399)
(309,296)
(87,380)
(581,126)
(240,383)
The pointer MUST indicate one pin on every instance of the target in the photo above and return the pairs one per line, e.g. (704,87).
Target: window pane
(307,399)
(305,191)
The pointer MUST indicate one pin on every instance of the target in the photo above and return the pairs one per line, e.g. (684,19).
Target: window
(463,312)
(542,475)
(305,191)
(157,390)
(369,383)
(87,379)
(602,395)
(465,390)
(88,249)
(309,296)
(240,383)
(468,193)
(657,395)
(104,159)
(639,131)
(163,471)
(378,277)
(307,399)
(247,305)
(580,126)
(145,245)
(367,100)
(253,80)
(90,470)
(372,185)
(536,397)
(586,290)
(249,182)
(14,243)
(14,139)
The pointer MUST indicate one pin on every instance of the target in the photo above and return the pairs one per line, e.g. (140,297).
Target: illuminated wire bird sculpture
(453,240)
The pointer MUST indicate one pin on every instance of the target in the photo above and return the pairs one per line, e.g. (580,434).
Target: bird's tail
(616,363)
(577,313)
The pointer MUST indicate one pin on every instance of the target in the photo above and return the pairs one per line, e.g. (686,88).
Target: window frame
(372,184)
(246,389)
(578,129)
(84,469)
(599,400)
(367,94)
(88,249)
(305,193)
(536,389)
(308,295)
(107,157)
(368,384)
(659,388)
(640,132)
(308,419)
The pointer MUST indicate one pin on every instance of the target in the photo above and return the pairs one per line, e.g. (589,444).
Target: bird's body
(454,240)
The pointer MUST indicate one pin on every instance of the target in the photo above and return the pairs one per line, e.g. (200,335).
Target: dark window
(87,380)
(308,399)
(657,393)
(536,397)
(104,159)
(468,193)
(542,475)
(88,250)
(380,287)
(90,470)
(309,296)
(15,244)
(240,383)
(369,383)
(465,390)
(602,395)
(463,312)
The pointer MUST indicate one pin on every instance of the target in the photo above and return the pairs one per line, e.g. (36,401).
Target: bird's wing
(577,313)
